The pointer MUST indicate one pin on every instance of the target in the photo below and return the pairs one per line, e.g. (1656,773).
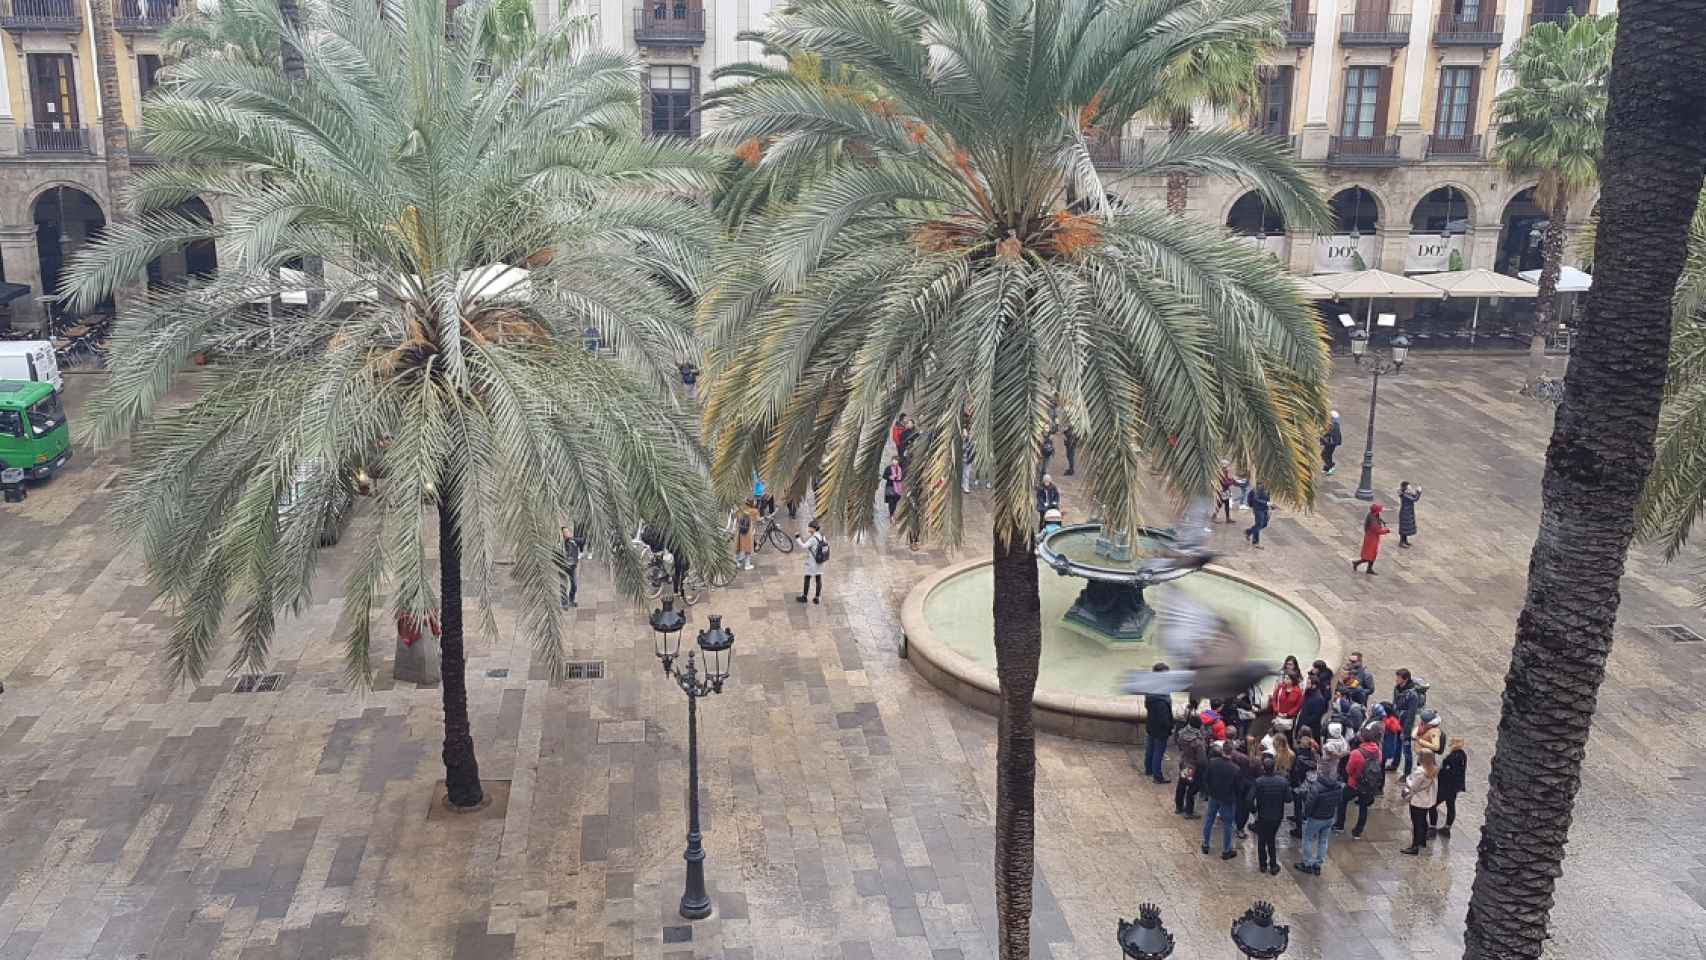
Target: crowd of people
(1315,746)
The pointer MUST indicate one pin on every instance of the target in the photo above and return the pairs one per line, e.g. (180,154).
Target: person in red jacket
(1364,776)
(1286,701)
(1373,528)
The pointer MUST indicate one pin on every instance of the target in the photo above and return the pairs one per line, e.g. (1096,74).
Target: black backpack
(821,552)
(745,524)
(1373,780)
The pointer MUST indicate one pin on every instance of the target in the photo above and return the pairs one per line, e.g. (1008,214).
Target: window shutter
(1382,95)
(646,102)
(1474,103)
(1442,104)
(695,104)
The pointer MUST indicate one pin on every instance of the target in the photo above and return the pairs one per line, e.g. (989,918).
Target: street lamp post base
(1363,493)
(692,909)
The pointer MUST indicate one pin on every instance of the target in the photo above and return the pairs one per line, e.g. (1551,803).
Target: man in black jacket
(1313,713)
(1320,798)
(1330,441)
(1220,785)
(1268,796)
(1157,727)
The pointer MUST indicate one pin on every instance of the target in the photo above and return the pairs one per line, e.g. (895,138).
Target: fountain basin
(948,622)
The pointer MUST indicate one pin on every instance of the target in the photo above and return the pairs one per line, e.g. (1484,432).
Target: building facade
(1385,102)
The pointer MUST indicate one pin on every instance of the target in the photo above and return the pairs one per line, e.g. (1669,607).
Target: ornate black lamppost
(1146,938)
(1400,348)
(1257,936)
(717,644)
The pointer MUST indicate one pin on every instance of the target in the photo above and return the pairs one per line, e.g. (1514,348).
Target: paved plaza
(848,804)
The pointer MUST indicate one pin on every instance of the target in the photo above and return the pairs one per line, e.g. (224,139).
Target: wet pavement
(848,803)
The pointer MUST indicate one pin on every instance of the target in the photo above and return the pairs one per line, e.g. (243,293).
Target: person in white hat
(1330,442)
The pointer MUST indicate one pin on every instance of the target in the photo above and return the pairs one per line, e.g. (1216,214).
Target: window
(46,415)
(1362,103)
(11,423)
(53,91)
(147,72)
(672,91)
(1466,11)
(1455,119)
(1275,117)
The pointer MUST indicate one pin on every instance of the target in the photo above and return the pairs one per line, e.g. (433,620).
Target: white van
(30,360)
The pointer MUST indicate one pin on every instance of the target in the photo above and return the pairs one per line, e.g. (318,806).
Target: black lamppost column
(1379,365)
(717,644)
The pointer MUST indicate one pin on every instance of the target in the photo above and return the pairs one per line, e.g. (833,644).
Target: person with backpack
(746,527)
(1157,727)
(1319,799)
(1408,699)
(817,554)
(1191,749)
(1453,774)
(1422,790)
(569,580)
(1427,735)
(1260,503)
(894,485)
(1365,778)
(1346,711)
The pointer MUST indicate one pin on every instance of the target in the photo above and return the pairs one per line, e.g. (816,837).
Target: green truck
(34,434)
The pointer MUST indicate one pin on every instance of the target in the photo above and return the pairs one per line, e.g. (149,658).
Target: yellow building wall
(88,85)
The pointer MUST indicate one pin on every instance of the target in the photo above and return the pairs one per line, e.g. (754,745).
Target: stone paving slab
(848,804)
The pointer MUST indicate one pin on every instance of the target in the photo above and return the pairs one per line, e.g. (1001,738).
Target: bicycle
(769,531)
(1545,387)
(659,572)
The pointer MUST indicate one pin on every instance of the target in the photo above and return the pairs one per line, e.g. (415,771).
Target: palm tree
(968,255)
(233,30)
(1596,465)
(115,136)
(1550,124)
(1219,76)
(411,169)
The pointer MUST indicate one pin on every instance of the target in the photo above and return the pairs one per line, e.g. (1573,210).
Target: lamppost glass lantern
(1257,936)
(1359,343)
(718,645)
(667,624)
(1400,349)
(1146,938)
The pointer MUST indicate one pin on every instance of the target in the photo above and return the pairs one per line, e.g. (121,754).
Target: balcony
(1116,151)
(1300,32)
(669,24)
(1362,151)
(1452,30)
(143,16)
(45,141)
(1370,30)
(1536,19)
(52,16)
(1453,148)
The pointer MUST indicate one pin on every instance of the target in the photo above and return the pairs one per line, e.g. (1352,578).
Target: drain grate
(258,683)
(1675,633)
(497,674)
(583,670)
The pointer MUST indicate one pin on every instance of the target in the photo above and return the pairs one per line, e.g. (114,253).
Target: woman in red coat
(1373,528)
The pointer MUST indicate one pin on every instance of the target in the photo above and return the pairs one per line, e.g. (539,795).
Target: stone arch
(1464,207)
(27,210)
(1250,210)
(196,260)
(65,218)
(1348,211)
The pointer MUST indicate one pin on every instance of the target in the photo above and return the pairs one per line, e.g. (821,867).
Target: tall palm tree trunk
(1178,184)
(295,71)
(461,770)
(1551,265)
(1601,451)
(115,138)
(1018,649)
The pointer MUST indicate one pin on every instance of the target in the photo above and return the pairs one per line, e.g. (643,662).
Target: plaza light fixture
(1145,938)
(1257,936)
(1398,349)
(717,646)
